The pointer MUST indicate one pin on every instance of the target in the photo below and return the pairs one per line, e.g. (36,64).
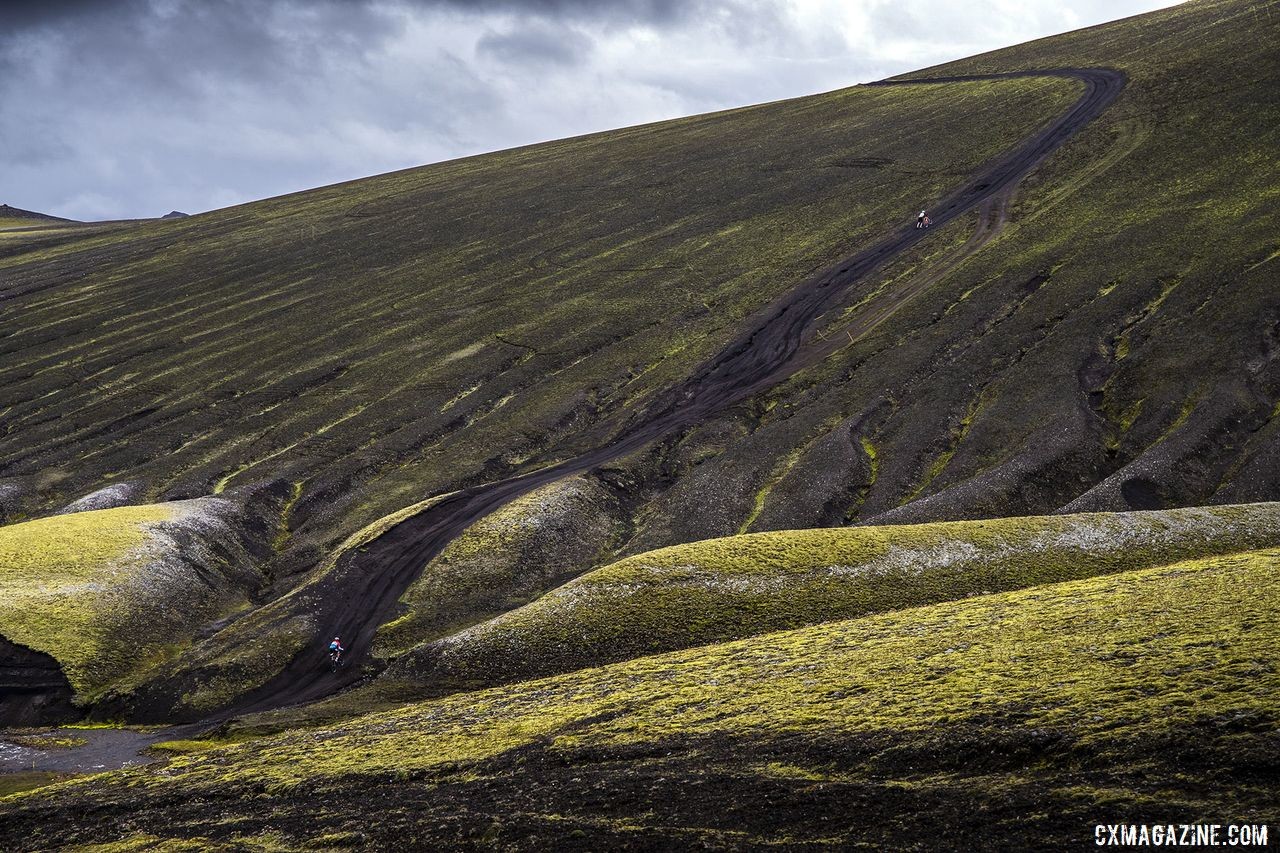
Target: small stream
(103,749)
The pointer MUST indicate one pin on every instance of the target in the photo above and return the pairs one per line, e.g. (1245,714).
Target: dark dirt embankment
(33,689)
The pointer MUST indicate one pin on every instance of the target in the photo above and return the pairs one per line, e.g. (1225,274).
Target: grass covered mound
(721,589)
(1024,715)
(108,593)
(508,558)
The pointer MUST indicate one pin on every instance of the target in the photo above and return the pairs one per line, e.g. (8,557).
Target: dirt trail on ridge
(779,341)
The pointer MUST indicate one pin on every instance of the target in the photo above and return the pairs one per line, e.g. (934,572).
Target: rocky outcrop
(117,494)
(33,688)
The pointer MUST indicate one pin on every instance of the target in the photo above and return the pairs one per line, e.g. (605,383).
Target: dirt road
(362,593)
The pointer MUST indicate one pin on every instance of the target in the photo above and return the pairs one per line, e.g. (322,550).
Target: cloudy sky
(124,108)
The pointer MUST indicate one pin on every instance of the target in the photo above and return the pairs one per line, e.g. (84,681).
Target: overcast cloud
(124,108)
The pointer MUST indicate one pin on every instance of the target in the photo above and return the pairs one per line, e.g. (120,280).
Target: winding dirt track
(770,351)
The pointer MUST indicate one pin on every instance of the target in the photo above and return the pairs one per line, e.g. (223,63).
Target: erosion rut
(772,349)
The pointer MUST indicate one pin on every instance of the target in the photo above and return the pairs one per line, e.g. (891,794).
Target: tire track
(363,590)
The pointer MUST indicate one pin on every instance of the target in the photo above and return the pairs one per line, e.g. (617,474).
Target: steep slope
(1010,721)
(378,342)
(1112,344)
(309,608)
(980,375)
(356,590)
(404,355)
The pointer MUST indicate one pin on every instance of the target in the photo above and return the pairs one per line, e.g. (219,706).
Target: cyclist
(336,649)
(922,221)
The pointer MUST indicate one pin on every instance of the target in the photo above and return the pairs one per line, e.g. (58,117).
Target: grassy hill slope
(362,347)
(1112,344)
(1115,345)
(377,342)
(108,593)
(723,589)
(1021,718)
(1106,339)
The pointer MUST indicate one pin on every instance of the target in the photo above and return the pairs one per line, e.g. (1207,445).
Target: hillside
(723,589)
(1114,347)
(101,596)
(1009,721)
(667,486)
(350,351)
(379,342)
(15,217)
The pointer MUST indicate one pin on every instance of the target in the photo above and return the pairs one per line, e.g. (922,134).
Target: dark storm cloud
(536,46)
(22,14)
(645,11)
(116,108)
(164,42)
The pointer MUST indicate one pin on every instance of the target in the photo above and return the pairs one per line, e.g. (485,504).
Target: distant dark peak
(7,212)
(175,214)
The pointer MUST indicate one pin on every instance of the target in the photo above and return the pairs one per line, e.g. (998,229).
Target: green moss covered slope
(110,593)
(1037,712)
(721,589)
(1111,342)
(508,558)
(377,342)
(1113,345)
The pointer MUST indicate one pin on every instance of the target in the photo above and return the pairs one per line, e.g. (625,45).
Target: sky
(132,108)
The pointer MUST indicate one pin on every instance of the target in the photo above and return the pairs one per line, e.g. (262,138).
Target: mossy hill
(363,347)
(1115,346)
(994,564)
(1013,720)
(358,349)
(723,589)
(382,341)
(109,594)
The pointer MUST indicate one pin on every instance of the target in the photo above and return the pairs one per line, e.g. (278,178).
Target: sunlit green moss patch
(722,589)
(1141,651)
(111,593)
(57,577)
